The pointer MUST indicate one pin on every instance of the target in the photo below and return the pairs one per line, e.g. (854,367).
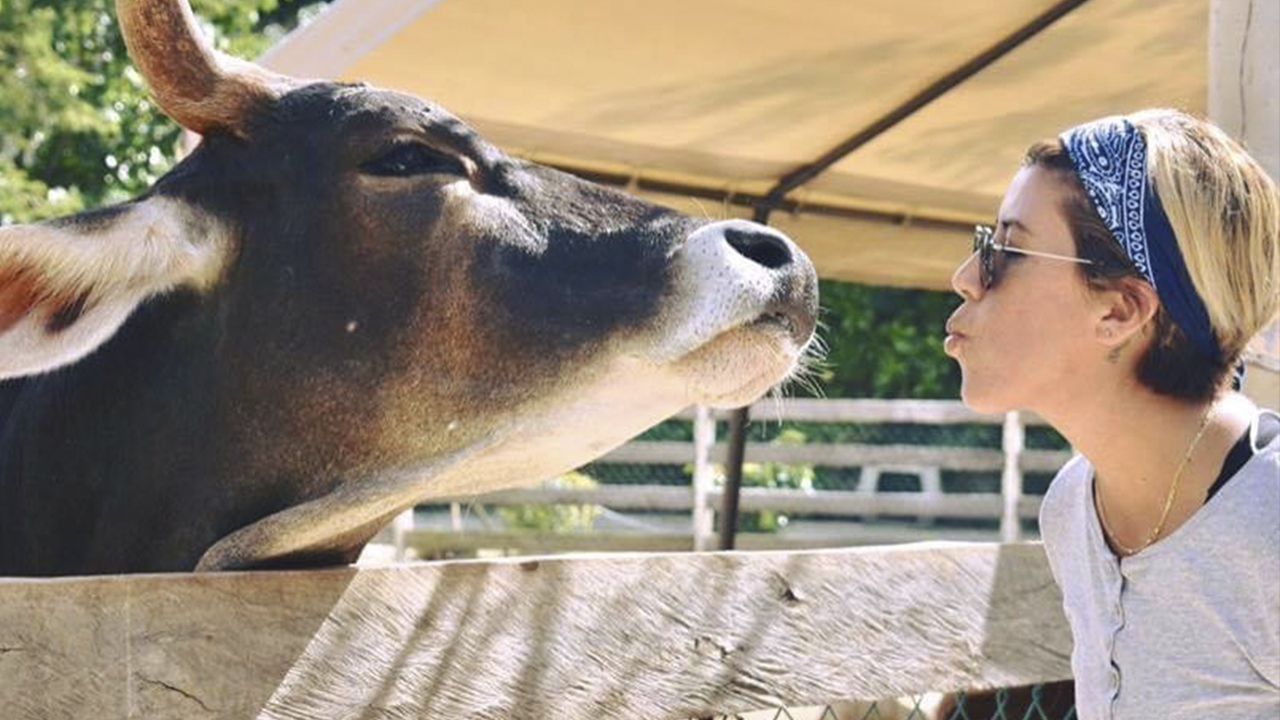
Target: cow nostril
(762,248)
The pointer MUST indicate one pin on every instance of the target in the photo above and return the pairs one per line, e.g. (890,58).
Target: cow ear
(67,285)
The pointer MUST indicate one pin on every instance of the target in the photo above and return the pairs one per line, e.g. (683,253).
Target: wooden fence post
(1011,479)
(400,529)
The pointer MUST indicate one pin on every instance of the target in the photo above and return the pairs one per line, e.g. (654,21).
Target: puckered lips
(955,340)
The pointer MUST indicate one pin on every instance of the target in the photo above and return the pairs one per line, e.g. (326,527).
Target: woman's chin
(980,400)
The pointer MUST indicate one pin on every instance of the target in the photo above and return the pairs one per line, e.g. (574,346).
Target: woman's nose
(965,281)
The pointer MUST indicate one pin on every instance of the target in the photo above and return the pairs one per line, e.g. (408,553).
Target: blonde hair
(1225,212)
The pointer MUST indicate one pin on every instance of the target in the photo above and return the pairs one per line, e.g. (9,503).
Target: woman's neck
(1137,442)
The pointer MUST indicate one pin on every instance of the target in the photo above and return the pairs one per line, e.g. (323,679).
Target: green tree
(555,518)
(885,343)
(78,128)
(775,475)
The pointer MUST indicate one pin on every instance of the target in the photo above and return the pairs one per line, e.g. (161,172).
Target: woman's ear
(1125,310)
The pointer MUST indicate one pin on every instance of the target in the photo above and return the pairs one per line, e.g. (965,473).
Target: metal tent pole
(733,477)
(935,90)
(738,421)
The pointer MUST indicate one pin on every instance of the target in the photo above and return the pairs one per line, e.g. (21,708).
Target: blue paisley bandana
(1110,156)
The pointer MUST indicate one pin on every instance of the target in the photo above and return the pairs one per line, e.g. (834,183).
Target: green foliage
(886,343)
(78,128)
(555,518)
(775,475)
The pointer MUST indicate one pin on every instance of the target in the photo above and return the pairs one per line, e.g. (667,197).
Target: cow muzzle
(743,312)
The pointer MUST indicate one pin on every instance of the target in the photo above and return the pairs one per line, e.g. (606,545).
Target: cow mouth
(741,314)
(783,322)
(740,364)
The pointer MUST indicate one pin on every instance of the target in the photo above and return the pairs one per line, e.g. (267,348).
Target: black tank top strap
(1259,434)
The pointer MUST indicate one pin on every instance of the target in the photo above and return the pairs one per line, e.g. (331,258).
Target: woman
(1132,261)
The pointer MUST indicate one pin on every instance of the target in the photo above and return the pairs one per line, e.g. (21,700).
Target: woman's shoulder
(1071,482)
(1264,433)
(1257,481)
(1240,519)
(1259,472)
(1068,493)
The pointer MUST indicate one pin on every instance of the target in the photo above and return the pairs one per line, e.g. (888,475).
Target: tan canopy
(707,105)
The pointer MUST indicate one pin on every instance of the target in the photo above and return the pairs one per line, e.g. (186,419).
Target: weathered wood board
(609,636)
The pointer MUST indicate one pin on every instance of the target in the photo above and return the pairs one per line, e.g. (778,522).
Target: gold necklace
(1168,501)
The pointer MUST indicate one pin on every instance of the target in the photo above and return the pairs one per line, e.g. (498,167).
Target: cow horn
(199,87)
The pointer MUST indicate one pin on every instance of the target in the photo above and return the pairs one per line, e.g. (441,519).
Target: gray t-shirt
(1187,628)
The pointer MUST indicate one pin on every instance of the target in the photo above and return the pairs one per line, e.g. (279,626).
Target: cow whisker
(706,215)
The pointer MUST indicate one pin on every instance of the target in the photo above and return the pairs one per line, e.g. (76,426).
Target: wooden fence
(1010,506)
(640,637)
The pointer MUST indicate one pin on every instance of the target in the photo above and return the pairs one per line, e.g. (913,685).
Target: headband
(1110,157)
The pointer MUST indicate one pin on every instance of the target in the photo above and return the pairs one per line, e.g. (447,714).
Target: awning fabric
(706,105)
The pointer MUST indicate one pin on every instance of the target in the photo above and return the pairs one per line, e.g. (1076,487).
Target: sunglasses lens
(984,245)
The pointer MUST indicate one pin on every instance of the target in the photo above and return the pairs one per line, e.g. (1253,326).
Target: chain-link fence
(819,477)
(1050,701)
(940,471)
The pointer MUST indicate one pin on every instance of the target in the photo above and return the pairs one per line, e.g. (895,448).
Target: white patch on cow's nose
(717,287)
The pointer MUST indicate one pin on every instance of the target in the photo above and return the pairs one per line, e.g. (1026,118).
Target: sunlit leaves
(78,129)
(886,342)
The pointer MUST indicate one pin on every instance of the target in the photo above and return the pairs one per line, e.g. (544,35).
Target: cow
(343,302)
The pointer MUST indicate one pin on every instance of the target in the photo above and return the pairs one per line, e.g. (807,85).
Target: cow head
(344,302)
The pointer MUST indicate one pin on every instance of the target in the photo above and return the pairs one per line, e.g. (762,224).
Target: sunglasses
(991,259)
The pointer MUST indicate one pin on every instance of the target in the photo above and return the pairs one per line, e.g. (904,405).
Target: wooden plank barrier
(641,637)
(673,452)
(836,502)
(865,410)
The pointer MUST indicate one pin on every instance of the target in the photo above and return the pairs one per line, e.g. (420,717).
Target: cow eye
(409,159)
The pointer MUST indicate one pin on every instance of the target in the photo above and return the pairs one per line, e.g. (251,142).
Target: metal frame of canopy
(880,130)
